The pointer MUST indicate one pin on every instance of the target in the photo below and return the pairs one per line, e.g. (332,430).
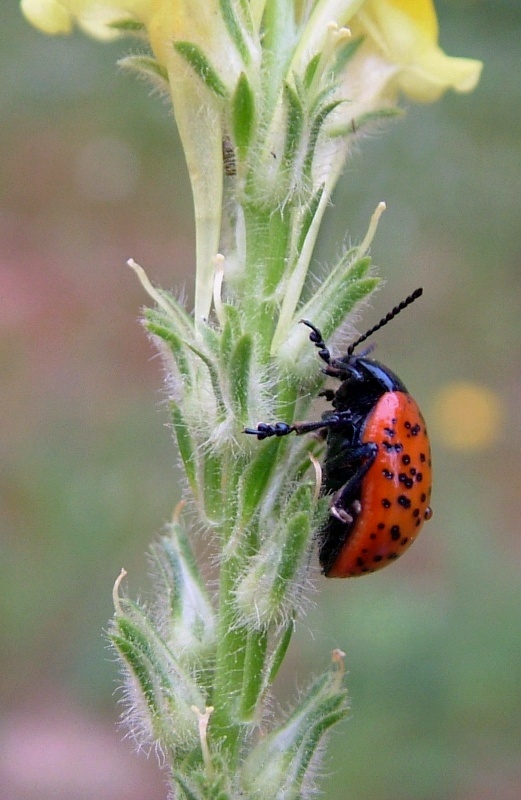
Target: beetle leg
(341,514)
(329,394)
(264,430)
(342,503)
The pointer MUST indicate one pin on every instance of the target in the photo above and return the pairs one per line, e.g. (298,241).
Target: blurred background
(91,174)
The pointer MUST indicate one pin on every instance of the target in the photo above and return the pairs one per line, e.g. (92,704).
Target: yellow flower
(95,17)
(199,22)
(401,45)
(399,51)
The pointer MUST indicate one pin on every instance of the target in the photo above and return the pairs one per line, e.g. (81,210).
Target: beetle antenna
(388,317)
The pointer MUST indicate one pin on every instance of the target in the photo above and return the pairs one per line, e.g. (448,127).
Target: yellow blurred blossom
(467,416)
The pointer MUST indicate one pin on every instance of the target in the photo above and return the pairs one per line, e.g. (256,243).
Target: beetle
(377,468)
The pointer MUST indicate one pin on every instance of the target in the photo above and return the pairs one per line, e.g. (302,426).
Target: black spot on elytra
(392,448)
(404,501)
(392,556)
(403,478)
(380,526)
(413,470)
(388,474)
(386,503)
(419,477)
(423,498)
(422,458)
(415,430)
(404,540)
(372,536)
(406,459)
(390,432)
(395,533)
(377,558)
(418,523)
(407,425)
(394,421)
(360,562)
(416,512)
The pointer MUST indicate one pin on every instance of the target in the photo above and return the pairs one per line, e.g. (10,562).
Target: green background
(91,174)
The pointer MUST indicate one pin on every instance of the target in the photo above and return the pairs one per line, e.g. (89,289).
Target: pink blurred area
(53,750)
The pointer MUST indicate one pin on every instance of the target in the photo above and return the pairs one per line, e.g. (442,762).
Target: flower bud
(278,767)
(267,593)
(188,624)
(159,691)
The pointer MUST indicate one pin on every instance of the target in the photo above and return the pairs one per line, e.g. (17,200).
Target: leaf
(243,114)
(147,67)
(294,124)
(239,377)
(234,28)
(186,446)
(202,67)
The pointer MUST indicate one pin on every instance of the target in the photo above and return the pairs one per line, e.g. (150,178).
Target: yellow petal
(49,16)
(94,16)
(404,33)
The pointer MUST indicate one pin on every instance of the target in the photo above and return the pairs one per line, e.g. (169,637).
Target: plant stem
(229,665)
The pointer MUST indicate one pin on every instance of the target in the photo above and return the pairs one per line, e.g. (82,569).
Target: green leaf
(256,479)
(356,124)
(202,67)
(346,53)
(280,651)
(234,28)
(310,71)
(175,344)
(314,133)
(253,680)
(329,308)
(168,690)
(231,332)
(294,124)
(239,377)
(188,617)
(149,68)
(140,667)
(297,533)
(307,216)
(212,496)
(277,766)
(212,369)
(186,446)
(232,318)
(127,25)
(243,114)
(190,790)
(266,593)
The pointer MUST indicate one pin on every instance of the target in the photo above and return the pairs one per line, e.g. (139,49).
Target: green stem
(278,44)
(229,666)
